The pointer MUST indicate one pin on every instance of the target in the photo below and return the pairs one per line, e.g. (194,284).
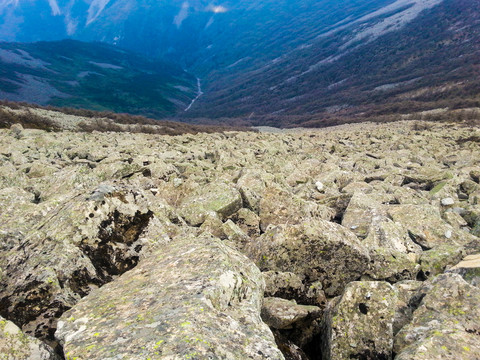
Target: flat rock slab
(195,298)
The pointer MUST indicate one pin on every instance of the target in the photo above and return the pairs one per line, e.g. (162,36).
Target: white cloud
(71,25)
(182,15)
(217,9)
(95,9)
(54,6)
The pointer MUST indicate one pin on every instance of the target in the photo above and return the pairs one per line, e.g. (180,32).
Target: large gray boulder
(194,298)
(62,252)
(318,250)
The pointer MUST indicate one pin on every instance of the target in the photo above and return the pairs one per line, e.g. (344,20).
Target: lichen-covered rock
(64,252)
(361,212)
(445,325)
(434,262)
(279,206)
(194,298)
(359,324)
(426,226)
(15,345)
(391,236)
(287,285)
(406,290)
(251,186)
(316,249)
(285,314)
(219,197)
(392,266)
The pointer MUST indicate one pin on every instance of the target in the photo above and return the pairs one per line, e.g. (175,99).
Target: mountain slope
(430,61)
(92,75)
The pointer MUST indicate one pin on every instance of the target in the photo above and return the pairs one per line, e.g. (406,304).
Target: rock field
(355,242)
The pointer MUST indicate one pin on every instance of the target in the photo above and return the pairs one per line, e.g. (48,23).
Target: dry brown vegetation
(103,121)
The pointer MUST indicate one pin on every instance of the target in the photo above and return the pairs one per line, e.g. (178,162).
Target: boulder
(251,186)
(194,298)
(279,206)
(288,285)
(317,250)
(220,197)
(63,252)
(286,314)
(15,345)
(407,291)
(361,212)
(359,324)
(445,325)
(434,262)
(426,226)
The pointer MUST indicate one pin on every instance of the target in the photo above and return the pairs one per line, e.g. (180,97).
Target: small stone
(319,186)
(177,182)
(448,202)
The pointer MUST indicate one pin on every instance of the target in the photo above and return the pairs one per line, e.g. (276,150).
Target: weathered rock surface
(284,314)
(317,250)
(219,197)
(79,210)
(194,298)
(445,325)
(359,324)
(15,345)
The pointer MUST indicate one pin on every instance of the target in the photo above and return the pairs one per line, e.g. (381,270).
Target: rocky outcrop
(194,298)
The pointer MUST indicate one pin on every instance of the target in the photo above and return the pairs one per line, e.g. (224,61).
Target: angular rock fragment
(359,324)
(469,269)
(317,250)
(284,314)
(445,325)
(219,197)
(194,298)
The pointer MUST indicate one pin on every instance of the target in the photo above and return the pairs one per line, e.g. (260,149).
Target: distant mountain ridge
(282,62)
(94,76)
